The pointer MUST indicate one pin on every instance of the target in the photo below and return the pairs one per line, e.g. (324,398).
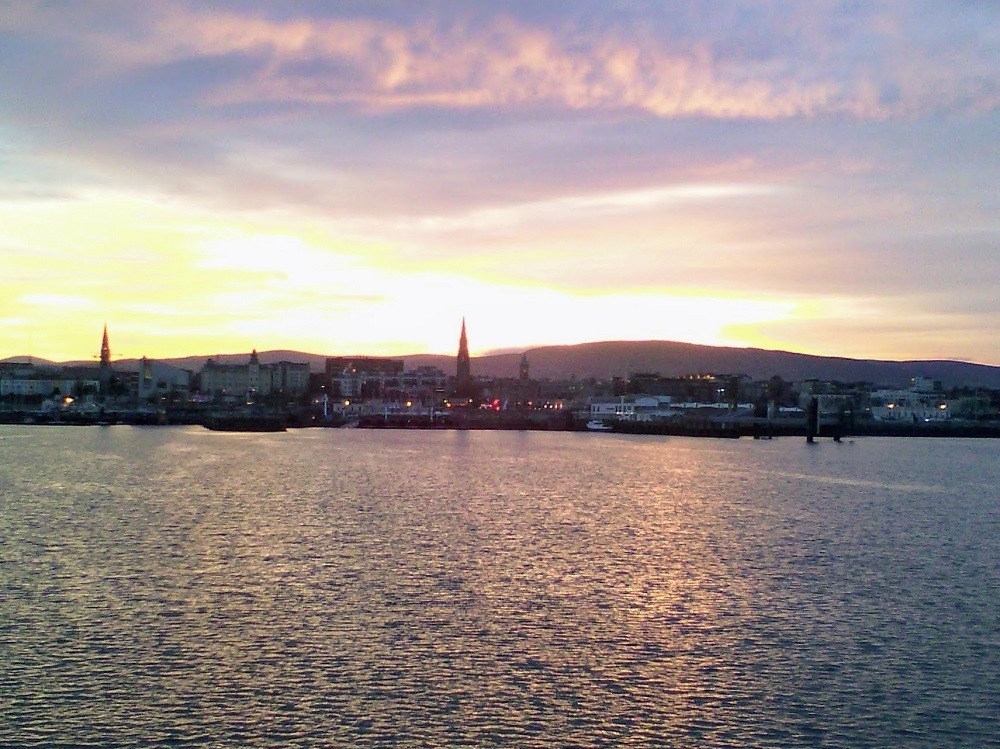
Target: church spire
(105,349)
(463,366)
(104,370)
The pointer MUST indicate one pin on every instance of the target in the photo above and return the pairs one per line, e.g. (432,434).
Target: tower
(104,370)
(463,366)
(105,349)
(253,372)
(523,372)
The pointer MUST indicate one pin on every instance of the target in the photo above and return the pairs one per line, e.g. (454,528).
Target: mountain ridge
(606,359)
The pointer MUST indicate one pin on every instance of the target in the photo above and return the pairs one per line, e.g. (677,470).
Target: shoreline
(514,422)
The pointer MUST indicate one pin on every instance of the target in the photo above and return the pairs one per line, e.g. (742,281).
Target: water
(174,586)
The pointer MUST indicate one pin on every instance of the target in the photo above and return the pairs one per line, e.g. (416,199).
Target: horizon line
(504,351)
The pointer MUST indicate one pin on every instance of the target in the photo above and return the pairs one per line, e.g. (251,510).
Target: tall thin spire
(104,371)
(463,342)
(463,366)
(105,349)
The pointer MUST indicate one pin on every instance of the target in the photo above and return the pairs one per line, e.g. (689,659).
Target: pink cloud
(377,65)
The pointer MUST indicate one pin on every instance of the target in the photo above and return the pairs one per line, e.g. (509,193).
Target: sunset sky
(355,177)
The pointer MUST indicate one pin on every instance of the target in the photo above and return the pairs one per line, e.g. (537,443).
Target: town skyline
(663,383)
(219,176)
(593,359)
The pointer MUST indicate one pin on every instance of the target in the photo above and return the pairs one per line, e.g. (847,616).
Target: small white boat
(596,425)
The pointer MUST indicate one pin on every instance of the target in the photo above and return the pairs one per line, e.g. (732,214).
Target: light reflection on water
(354,588)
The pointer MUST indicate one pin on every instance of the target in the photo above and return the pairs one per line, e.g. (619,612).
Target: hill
(620,358)
(608,359)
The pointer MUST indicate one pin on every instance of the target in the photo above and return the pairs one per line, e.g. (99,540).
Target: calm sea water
(174,586)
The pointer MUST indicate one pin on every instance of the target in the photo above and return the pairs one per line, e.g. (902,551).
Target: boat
(597,425)
(246,423)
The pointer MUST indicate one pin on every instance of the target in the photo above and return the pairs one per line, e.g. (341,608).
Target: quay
(473,419)
(751,428)
(756,428)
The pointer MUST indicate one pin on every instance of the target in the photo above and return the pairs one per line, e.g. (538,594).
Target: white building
(632,408)
(254,378)
(374,378)
(909,405)
(27,380)
(657,408)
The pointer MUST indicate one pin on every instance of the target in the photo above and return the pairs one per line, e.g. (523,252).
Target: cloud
(826,151)
(365,109)
(775,62)
(572,207)
(379,65)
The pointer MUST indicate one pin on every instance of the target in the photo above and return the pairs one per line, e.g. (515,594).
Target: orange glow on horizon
(172,282)
(359,180)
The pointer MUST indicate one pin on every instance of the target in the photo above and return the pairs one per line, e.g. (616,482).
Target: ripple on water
(345,588)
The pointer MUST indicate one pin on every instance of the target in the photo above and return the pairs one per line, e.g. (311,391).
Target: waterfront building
(617,408)
(425,378)
(692,388)
(655,408)
(363,376)
(425,385)
(158,380)
(253,378)
(922,401)
(288,377)
(834,399)
(29,381)
(633,408)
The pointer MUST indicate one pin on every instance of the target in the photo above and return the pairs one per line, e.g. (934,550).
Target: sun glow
(175,282)
(209,179)
(172,281)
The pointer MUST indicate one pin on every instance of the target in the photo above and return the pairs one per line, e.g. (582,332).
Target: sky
(356,177)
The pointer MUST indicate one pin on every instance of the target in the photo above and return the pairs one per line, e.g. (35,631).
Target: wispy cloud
(827,61)
(379,65)
(572,207)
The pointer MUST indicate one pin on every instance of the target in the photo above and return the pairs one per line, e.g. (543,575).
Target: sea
(172,586)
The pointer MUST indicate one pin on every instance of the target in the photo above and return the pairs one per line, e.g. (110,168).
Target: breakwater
(511,421)
(475,419)
(799,429)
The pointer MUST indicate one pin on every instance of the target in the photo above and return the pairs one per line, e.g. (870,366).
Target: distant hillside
(614,358)
(673,359)
(617,358)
